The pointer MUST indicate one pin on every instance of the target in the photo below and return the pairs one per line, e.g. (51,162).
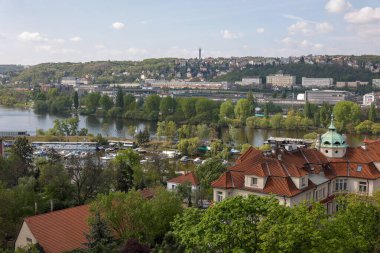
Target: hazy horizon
(43,31)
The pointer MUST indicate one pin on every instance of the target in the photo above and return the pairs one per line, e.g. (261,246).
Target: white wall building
(281,80)
(368,99)
(304,174)
(317,82)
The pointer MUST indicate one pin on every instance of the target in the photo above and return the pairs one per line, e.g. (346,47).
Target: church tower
(332,144)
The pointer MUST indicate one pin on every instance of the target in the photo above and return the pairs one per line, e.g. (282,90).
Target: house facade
(190,177)
(304,174)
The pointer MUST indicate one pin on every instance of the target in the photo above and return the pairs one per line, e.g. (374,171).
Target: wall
(24,233)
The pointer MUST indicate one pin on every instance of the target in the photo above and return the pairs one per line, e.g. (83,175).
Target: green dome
(332,139)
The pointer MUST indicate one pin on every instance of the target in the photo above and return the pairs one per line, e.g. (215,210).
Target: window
(254,181)
(336,151)
(359,168)
(341,185)
(320,194)
(29,240)
(173,186)
(219,196)
(363,187)
(303,181)
(326,151)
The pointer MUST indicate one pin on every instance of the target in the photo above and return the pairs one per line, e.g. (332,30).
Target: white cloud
(337,6)
(31,36)
(55,50)
(143,22)
(304,27)
(226,34)
(307,46)
(323,27)
(136,51)
(99,46)
(260,30)
(300,27)
(75,39)
(363,16)
(118,25)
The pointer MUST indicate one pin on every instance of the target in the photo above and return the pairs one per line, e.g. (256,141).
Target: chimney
(51,206)
(279,157)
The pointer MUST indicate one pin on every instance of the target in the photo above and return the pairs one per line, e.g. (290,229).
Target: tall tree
(106,102)
(242,109)
(76,100)
(100,238)
(126,164)
(347,115)
(226,110)
(372,112)
(119,97)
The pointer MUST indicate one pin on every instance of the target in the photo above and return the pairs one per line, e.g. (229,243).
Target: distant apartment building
(326,96)
(163,84)
(68,80)
(376,83)
(368,99)
(354,84)
(255,80)
(317,82)
(281,80)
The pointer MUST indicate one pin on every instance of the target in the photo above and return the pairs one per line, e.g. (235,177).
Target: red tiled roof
(348,169)
(188,177)
(229,179)
(284,186)
(62,230)
(249,153)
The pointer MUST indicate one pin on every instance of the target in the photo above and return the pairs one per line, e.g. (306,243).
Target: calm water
(21,119)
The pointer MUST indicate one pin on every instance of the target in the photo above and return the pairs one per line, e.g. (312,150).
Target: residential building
(368,99)
(317,82)
(190,177)
(376,83)
(254,80)
(355,84)
(58,231)
(281,80)
(69,80)
(304,174)
(326,96)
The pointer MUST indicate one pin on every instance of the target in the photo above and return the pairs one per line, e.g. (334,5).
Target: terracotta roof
(188,177)
(229,179)
(249,153)
(348,169)
(62,230)
(284,186)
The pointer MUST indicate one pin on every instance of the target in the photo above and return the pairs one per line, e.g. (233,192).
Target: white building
(376,83)
(317,82)
(255,80)
(368,99)
(281,80)
(305,174)
(173,183)
(354,84)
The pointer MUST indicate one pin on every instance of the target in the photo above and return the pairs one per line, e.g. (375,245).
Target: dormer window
(359,168)
(253,181)
(337,143)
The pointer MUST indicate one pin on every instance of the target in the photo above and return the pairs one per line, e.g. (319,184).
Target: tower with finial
(332,144)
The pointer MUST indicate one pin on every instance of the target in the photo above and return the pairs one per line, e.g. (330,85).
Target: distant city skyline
(38,31)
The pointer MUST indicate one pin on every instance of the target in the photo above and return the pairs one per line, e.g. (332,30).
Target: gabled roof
(62,230)
(188,177)
(349,169)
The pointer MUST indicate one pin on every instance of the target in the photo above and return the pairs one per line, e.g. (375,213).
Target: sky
(37,31)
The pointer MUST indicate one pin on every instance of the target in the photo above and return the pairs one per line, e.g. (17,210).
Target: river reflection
(20,119)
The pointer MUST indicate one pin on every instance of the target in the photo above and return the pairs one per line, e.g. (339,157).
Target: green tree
(230,226)
(372,113)
(127,162)
(226,110)
(76,100)
(167,106)
(242,109)
(119,98)
(364,127)
(92,101)
(184,190)
(130,102)
(189,146)
(296,229)
(276,121)
(100,238)
(152,106)
(325,114)
(106,102)
(208,172)
(307,110)
(347,114)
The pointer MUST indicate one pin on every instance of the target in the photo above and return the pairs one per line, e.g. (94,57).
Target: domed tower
(333,144)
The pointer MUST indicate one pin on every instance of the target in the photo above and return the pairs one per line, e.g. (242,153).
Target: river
(26,120)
